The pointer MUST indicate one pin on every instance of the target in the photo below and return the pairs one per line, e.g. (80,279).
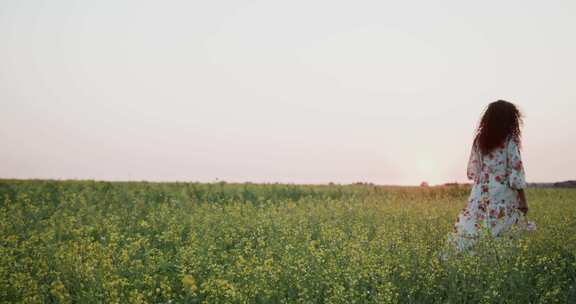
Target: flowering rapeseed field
(102,242)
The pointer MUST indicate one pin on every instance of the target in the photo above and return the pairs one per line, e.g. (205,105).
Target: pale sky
(280,91)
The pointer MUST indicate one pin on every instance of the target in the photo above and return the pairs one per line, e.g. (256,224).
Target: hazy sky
(280,91)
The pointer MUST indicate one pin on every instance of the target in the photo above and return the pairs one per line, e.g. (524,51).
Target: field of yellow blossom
(140,242)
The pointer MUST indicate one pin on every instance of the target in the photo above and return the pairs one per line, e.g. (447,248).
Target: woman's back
(501,166)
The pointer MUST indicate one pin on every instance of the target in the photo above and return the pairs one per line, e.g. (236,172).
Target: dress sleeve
(514,166)
(473,171)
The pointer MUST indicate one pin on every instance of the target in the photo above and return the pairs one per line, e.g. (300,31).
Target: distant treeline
(565,184)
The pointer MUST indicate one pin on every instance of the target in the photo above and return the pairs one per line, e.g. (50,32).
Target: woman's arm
(473,170)
(523,204)
(515,169)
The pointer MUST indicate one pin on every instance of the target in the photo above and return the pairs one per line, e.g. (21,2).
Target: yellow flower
(190,283)
(59,291)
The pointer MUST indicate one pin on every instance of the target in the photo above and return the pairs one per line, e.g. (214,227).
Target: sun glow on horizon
(429,170)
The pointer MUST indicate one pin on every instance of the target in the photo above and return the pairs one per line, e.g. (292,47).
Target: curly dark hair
(499,120)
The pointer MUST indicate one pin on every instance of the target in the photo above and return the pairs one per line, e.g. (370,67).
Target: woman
(497,200)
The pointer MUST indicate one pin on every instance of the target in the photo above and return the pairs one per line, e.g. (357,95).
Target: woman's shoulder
(511,139)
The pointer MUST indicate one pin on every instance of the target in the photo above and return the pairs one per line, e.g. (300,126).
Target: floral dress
(494,200)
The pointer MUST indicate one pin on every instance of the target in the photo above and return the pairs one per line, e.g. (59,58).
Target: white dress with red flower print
(494,200)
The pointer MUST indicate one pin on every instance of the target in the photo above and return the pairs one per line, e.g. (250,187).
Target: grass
(94,242)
